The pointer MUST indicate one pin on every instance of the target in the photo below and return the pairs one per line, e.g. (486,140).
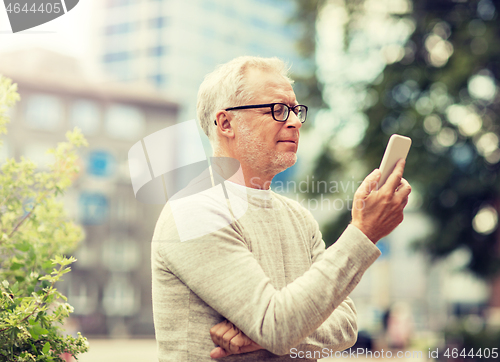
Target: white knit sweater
(259,261)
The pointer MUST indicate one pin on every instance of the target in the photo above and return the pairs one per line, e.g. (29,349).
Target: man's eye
(278,109)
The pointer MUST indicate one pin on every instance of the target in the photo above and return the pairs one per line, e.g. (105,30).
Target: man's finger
(218,352)
(395,177)
(226,339)
(218,331)
(369,184)
(404,189)
(238,341)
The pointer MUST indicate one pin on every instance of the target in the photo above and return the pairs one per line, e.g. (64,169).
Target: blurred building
(110,285)
(173,44)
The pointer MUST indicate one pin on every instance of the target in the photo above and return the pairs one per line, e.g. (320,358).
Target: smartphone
(397,148)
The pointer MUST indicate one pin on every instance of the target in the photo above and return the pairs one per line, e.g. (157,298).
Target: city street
(144,350)
(120,350)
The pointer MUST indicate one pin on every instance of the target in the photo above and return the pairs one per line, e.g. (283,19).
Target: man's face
(262,144)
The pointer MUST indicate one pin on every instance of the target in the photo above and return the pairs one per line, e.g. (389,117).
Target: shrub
(35,237)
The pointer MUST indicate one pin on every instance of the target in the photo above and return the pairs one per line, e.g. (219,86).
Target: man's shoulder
(193,216)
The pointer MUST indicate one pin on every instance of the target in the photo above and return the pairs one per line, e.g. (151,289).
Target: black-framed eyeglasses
(280,111)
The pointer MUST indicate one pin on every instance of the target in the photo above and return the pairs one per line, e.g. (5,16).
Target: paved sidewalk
(144,350)
(120,350)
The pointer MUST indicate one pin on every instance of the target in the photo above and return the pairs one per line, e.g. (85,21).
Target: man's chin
(286,160)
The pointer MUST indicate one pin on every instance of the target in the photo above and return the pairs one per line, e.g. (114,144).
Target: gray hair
(225,87)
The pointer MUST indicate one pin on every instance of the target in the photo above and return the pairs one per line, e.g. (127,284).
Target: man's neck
(245,175)
(256,181)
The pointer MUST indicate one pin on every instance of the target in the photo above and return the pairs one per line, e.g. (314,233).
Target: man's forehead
(269,84)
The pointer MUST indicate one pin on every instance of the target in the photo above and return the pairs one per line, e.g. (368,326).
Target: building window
(159,80)
(121,71)
(122,28)
(101,163)
(116,57)
(120,297)
(83,294)
(114,3)
(121,255)
(157,22)
(44,112)
(93,208)
(157,51)
(124,122)
(86,116)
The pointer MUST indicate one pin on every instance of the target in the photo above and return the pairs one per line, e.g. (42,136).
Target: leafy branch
(34,228)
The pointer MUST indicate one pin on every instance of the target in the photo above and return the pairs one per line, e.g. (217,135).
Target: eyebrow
(277,100)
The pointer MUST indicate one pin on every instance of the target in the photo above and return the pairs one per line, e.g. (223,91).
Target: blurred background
(123,69)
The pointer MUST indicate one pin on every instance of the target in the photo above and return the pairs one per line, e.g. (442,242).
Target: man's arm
(339,331)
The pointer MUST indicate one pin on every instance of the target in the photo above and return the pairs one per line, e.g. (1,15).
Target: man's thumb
(218,352)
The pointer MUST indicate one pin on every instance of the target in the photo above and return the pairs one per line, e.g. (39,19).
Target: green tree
(35,236)
(443,94)
(441,91)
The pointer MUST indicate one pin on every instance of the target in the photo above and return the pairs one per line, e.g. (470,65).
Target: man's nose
(293,121)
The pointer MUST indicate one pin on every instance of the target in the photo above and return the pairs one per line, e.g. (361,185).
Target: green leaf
(34,335)
(33,346)
(15,287)
(47,264)
(23,247)
(16,266)
(46,347)
(36,331)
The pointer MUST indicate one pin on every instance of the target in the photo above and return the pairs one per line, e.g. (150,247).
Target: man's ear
(223,121)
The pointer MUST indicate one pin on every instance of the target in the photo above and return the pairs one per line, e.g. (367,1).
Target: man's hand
(377,212)
(230,341)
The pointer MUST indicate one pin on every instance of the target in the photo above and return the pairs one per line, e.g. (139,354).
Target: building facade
(173,44)
(110,284)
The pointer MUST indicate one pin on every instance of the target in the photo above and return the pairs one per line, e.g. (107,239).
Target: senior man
(256,283)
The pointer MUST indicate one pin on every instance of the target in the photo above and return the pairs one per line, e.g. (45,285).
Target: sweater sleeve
(222,271)
(339,330)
